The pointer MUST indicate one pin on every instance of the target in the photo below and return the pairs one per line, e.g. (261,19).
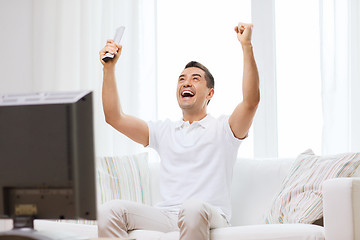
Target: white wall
(355,78)
(16,46)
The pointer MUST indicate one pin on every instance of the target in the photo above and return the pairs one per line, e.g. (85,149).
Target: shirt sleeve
(153,138)
(228,132)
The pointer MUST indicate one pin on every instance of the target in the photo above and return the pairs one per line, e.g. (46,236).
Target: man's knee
(193,213)
(109,211)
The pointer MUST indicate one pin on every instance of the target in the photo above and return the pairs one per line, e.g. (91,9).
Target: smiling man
(197,153)
(194,85)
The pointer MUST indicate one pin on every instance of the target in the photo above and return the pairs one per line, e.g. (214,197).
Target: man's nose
(187,83)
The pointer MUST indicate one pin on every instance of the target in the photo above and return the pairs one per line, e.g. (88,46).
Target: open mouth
(187,93)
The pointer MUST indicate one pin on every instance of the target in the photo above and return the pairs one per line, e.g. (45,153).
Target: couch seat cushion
(74,229)
(251,232)
(153,235)
(270,232)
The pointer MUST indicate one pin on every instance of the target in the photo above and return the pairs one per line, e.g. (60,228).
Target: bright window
(202,31)
(298,76)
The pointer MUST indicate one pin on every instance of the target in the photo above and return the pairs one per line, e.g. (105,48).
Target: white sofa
(255,184)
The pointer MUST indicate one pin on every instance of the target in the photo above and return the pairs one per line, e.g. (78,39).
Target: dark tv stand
(24,230)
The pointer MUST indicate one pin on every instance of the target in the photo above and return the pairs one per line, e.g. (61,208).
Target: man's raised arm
(242,117)
(134,128)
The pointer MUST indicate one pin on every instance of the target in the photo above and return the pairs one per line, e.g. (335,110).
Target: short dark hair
(210,83)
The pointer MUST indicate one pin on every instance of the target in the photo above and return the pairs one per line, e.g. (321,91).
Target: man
(197,153)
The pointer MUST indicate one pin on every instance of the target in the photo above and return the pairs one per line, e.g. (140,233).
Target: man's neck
(192,117)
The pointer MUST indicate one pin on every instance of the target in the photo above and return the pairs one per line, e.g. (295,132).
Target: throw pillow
(126,178)
(300,200)
(357,173)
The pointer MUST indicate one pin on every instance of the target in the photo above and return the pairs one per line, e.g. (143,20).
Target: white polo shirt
(196,161)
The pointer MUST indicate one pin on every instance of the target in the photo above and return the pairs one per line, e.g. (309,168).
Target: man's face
(192,92)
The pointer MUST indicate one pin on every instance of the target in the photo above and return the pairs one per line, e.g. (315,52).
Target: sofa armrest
(342,208)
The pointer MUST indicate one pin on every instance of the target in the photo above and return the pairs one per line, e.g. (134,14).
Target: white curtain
(339,26)
(265,122)
(67,36)
(355,75)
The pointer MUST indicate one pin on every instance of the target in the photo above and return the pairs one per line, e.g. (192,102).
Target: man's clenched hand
(244,31)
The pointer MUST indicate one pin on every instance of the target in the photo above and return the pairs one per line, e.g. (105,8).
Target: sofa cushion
(126,178)
(357,173)
(255,185)
(270,232)
(252,232)
(300,200)
(153,235)
(70,228)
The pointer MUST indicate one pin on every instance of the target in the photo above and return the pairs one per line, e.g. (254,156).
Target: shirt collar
(205,122)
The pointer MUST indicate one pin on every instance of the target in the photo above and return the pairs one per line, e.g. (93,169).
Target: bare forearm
(134,128)
(110,96)
(242,117)
(250,85)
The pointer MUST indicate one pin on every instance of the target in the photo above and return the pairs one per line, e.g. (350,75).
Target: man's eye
(196,78)
(181,79)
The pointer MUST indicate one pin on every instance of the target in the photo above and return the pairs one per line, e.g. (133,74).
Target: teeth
(187,92)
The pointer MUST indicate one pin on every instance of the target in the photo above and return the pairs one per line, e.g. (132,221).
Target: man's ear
(210,94)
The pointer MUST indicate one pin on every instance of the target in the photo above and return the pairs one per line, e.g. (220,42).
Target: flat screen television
(47,156)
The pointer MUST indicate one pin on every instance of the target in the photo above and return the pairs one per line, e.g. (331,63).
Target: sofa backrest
(255,184)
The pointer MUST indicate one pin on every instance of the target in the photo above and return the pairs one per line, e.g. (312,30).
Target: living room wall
(16,46)
(54,45)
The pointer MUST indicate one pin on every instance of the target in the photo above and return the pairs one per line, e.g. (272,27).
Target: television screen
(47,156)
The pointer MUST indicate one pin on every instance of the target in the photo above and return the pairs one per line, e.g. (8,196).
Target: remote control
(117,38)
